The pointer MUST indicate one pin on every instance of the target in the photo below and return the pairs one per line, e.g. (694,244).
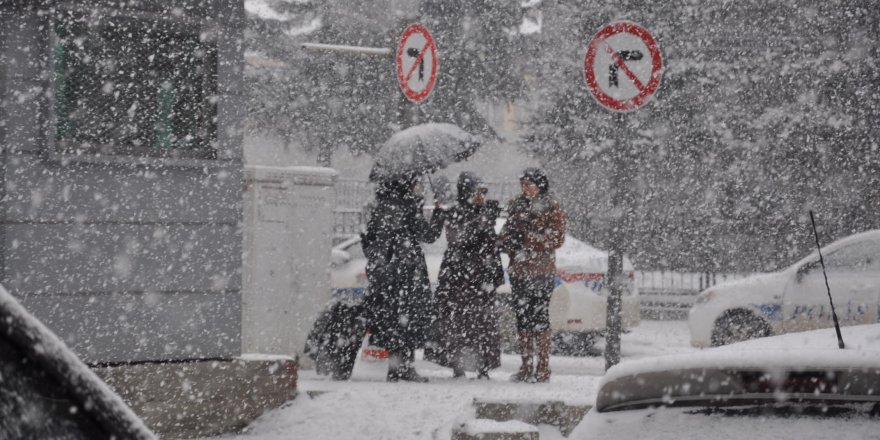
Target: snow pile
(815,349)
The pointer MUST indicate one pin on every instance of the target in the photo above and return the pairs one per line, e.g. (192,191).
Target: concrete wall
(288,230)
(125,258)
(203,398)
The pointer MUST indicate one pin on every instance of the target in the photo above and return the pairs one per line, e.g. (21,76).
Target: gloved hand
(493,209)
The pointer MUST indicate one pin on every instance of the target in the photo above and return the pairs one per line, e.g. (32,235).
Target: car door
(854,279)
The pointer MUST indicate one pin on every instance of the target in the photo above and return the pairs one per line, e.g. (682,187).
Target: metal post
(614,274)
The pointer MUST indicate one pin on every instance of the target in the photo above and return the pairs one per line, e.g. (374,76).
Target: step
(484,429)
(551,412)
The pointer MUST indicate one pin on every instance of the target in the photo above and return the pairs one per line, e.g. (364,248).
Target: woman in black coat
(470,273)
(398,303)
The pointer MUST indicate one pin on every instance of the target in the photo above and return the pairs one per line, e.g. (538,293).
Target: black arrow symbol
(413,52)
(625,55)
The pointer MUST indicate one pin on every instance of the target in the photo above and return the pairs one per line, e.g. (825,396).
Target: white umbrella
(422,149)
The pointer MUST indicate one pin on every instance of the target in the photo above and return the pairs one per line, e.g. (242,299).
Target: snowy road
(369,408)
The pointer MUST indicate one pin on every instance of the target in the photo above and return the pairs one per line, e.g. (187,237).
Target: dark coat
(470,273)
(398,304)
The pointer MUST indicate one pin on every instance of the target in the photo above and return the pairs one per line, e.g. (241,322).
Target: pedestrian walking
(399,301)
(535,228)
(469,275)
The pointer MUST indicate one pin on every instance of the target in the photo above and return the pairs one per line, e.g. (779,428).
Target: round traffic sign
(417,63)
(623,66)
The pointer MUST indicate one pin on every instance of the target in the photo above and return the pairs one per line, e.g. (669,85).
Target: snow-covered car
(577,306)
(794,299)
(47,392)
(795,386)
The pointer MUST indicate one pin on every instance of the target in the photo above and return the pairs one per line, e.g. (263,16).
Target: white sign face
(623,66)
(417,63)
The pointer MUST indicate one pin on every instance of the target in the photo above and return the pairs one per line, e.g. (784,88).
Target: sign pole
(622,69)
(616,278)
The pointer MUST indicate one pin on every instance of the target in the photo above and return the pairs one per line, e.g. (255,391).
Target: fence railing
(669,295)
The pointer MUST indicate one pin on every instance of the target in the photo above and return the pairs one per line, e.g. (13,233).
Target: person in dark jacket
(534,230)
(399,303)
(470,273)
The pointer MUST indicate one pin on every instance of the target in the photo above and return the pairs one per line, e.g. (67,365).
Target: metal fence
(352,199)
(669,295)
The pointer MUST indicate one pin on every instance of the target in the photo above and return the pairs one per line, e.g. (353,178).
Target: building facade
(122,174)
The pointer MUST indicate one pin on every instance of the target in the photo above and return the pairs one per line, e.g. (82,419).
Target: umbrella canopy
(422,149)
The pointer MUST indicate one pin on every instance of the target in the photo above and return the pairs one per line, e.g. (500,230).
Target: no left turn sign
(417,63)
(623,66)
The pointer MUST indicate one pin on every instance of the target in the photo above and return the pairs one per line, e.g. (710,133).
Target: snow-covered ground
(367,407)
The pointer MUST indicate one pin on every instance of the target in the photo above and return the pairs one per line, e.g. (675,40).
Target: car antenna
(822,261)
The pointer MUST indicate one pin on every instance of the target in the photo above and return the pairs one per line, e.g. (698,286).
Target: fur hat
(536,176)
(468,184)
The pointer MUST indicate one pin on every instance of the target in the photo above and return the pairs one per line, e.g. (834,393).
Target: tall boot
(525,348)
(542,373)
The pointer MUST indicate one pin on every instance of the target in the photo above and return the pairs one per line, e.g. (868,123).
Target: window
(861,257)
(129,86)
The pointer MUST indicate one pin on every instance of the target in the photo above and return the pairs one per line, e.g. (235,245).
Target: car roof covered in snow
(774,368)
(45,349)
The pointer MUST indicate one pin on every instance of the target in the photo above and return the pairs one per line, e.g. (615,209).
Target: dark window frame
(207,87)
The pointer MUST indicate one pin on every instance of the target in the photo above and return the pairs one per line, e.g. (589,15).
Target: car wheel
(738,325)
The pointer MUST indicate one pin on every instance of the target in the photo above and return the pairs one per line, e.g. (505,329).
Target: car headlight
(705,297)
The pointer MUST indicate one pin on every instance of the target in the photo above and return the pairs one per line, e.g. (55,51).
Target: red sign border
(645,95)
(411,94)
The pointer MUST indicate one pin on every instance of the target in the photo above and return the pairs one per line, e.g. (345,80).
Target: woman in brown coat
(534,230)
(470,273)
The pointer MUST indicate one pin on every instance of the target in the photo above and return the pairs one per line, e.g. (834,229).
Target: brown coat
(533,232)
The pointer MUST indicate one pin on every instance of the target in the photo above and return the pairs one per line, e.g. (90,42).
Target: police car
(794,299)
(577,306)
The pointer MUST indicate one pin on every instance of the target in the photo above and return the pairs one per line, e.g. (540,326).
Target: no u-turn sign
(623,66)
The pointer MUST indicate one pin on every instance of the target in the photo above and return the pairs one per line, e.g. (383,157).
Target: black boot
(409,374)
(400,368)
(483,370)
(483,374)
